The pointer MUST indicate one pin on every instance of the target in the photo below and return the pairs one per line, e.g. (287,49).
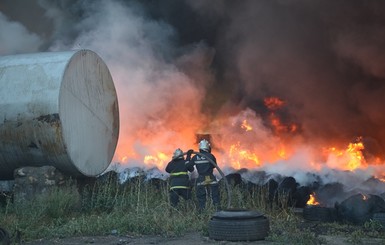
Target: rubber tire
(237,214)
(316,213)
(380,217)
(4,236)
(249,229)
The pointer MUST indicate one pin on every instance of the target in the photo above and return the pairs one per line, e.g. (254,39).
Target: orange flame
(356,157)
(350,159)
(279,127)
(243,140)
(160,160)
(364,197)
(240,157)
(273,103)
(312,200)
(246,126)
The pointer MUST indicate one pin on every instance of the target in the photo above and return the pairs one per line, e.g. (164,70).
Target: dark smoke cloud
(325,59)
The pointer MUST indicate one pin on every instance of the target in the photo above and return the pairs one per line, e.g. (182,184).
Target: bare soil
(193,238)
(188,239)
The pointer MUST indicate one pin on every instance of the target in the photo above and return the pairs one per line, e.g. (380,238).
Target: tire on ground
(239,229)
(317,213)
(380,217)
(4,236)
(237,214)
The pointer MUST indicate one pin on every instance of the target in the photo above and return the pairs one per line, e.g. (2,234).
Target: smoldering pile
(335,201)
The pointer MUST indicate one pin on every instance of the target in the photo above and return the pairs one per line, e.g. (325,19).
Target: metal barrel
(58,109)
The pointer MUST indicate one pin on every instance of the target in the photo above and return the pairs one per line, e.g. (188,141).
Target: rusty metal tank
(58,109)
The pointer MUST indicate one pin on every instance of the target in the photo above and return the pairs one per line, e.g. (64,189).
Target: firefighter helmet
(178,153)
(204,145)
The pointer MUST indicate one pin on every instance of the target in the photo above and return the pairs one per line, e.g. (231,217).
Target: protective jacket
(204,168)
(206,182)
(178,170)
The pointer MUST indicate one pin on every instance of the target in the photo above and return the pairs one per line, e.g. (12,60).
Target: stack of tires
(238,225)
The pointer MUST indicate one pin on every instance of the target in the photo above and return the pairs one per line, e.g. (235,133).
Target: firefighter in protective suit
(178,169)
(206,183)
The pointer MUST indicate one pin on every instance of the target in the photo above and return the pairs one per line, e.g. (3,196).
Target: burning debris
(277,112)
(261,110)
(319,201)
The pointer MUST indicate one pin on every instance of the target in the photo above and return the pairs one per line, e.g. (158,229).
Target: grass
(141,208)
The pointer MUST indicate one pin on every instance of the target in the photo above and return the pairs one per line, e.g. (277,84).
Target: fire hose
(221,173)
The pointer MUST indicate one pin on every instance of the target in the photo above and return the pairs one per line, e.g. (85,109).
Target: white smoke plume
(15,38)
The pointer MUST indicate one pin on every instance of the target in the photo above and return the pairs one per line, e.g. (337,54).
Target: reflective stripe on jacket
(178,170)
(178,173)
(202,164)
(206,180)
(179,187)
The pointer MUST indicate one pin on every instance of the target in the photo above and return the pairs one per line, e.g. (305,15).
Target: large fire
(352,156)
(244,141)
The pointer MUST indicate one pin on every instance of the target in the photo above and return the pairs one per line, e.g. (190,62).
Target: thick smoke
(182,67)
(327,66)
(15,38)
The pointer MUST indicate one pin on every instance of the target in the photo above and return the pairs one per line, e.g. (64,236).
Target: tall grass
(104,207)
(139,207)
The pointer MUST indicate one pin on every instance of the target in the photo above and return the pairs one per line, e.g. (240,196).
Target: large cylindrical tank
(58,109)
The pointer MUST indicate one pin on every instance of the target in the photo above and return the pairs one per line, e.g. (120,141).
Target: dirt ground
(188,239)
(191,238)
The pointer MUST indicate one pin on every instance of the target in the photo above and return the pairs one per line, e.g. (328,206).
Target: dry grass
(140,207)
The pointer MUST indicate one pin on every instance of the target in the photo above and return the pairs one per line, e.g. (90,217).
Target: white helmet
(178,153)
(204,145)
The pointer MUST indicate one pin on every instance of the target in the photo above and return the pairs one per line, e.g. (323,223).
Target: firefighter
(206,183)
(178,169)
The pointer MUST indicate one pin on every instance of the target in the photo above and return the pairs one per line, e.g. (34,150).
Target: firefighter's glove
(189,152)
